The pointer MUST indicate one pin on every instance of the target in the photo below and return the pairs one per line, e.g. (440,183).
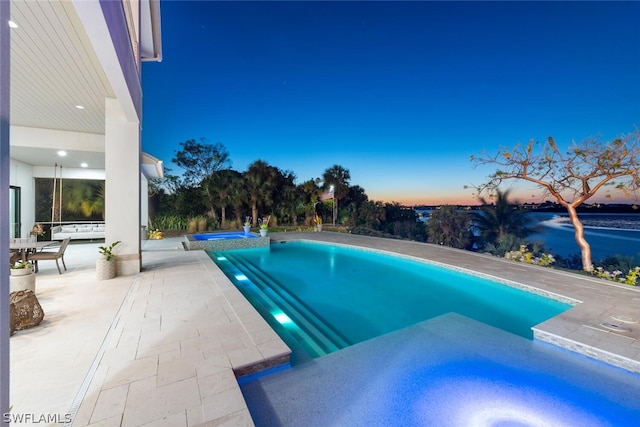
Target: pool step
(305,318)
(281,308)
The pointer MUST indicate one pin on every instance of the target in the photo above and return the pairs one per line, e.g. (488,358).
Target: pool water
(322,298)
(447,371)
(224,236)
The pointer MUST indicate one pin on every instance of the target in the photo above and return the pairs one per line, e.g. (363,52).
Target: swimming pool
(321,298)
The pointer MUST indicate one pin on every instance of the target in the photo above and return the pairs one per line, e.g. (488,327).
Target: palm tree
(221,185)
(499,219)
(352,204)
(286,197)
(260,181)
(337,177)
(238,199)
(309,193)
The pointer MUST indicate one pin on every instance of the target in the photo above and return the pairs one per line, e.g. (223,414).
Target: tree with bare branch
(572,177)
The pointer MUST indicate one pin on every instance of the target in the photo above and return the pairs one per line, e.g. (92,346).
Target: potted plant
(264,225)
(318,221)
(21,277)
(155,234)
(20,268)
(106,262)
(247,225)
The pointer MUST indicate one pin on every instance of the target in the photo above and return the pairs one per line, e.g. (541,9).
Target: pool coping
(585,328)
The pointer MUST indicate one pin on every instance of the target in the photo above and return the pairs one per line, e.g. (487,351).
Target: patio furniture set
(30,250)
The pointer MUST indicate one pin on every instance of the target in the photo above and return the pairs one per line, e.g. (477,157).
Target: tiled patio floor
(160,348)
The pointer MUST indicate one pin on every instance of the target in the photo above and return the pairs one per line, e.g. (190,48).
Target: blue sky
(399,93)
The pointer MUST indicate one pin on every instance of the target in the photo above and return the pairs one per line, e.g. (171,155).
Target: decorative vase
(105,269)
(264,232)
(247,229)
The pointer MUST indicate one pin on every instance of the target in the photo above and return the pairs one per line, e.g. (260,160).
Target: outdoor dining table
(24,247)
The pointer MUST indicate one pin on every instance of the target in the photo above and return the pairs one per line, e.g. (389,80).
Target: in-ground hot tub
(224,241)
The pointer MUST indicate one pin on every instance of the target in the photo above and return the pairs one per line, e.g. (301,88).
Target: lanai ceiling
(54,72)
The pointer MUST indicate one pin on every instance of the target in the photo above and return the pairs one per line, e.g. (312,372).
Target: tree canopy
(572,177)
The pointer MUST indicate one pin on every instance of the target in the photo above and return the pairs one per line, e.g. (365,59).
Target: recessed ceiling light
(12,24)
(80,107)
(83,165)
(62,153)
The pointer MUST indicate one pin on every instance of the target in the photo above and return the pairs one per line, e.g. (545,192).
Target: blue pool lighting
(339,296)
(282,318)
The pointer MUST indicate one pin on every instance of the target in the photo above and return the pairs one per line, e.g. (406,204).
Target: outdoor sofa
(78,231)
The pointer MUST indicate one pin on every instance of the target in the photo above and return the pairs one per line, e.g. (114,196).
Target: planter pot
(263,232)
(319,227)
(247,229)
(23,282)
(105,270)
(21,271)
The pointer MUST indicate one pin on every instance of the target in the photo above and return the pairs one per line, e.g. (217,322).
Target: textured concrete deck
(160,348)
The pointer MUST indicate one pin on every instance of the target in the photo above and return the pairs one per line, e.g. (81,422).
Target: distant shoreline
(554,207)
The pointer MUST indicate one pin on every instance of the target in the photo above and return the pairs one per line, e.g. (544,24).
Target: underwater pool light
(282,318)
(222,258)
(241,277)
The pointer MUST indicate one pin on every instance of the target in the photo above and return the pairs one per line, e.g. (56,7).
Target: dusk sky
(399,93)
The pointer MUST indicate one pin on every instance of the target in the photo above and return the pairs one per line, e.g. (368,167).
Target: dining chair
(50,255)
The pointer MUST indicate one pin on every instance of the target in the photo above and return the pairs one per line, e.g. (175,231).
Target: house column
(5,55)
(122,187)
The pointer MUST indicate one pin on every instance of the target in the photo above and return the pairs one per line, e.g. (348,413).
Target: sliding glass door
(14,212)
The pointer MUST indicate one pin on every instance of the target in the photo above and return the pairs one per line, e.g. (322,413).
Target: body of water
(607,234)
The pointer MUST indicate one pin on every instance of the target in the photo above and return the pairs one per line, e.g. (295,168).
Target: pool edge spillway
(225,241)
